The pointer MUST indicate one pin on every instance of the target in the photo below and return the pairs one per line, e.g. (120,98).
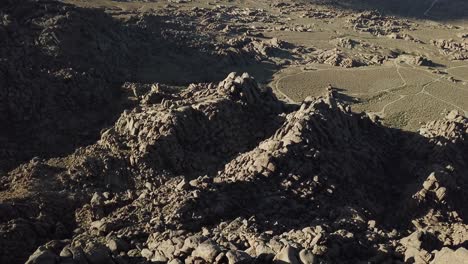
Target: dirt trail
(388,90)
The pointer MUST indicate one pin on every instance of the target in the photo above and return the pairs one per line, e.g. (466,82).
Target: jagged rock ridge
(224,172)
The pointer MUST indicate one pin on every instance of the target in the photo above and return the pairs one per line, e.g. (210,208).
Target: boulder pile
(225,173)
(378,24)
(455,50)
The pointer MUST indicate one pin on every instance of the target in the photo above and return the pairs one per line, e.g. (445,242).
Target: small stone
(316,239)
(146,253)
(221,258)
(66,252)
(158,258)
(275,245)
(236,256)
(117,245)
(319,250)
(231,75)
(288,255)
(440,193)
(97,254)
(453,115)
(193,183)
(207,250)
(134,253)
(97,200)
(191,243)
(307,257)
(263,249)
(149,186)
(182,185)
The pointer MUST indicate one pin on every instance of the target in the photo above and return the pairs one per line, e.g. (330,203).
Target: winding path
(388,90)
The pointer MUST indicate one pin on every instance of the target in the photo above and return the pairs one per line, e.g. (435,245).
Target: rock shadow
(374,176)
(62,68)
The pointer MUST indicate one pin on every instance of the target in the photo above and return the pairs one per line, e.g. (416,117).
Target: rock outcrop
(225,173)
(455,50)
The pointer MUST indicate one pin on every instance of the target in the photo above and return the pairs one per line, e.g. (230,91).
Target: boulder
(450,256)
(287,255)
(207,250)
(43,257)
(237,256)
(307,257)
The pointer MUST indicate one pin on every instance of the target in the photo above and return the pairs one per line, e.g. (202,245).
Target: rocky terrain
(132,133)
(455,50)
